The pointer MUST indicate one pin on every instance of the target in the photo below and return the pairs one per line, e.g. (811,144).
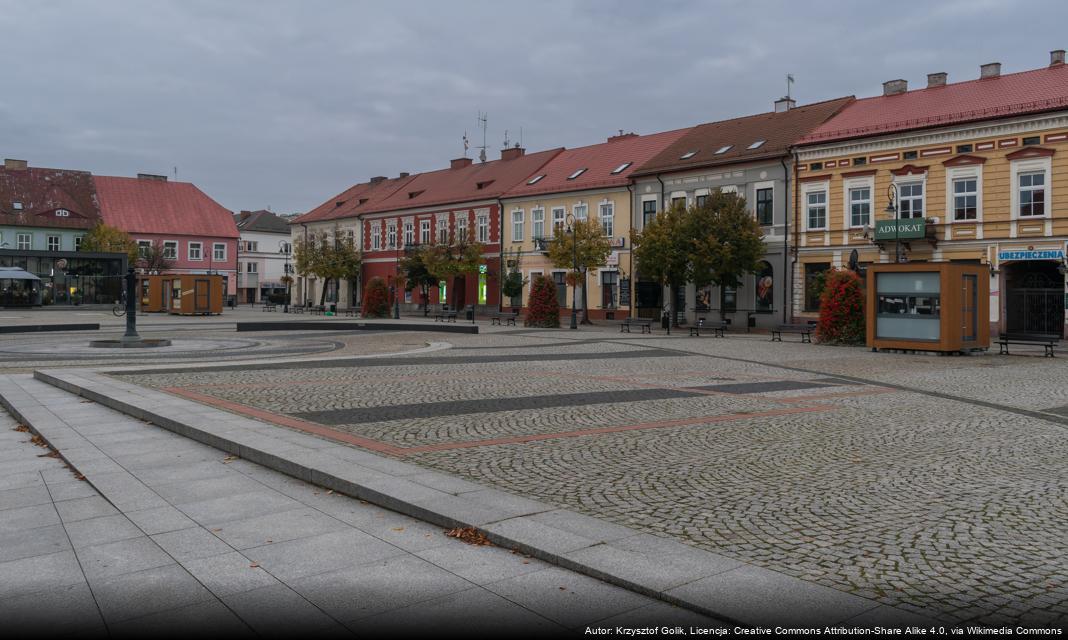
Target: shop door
(1035,301)
(970,308)
(201,295)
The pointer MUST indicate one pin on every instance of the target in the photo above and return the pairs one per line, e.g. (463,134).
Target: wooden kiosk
(185,294)
(928,306)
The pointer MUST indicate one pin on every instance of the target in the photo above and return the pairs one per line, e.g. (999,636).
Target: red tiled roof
(354,200)
(144,205)
(41,191)
(779,131)
(1003,96)
(477,181)
(599,161)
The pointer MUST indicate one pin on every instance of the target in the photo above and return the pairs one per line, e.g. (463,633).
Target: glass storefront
(67,278)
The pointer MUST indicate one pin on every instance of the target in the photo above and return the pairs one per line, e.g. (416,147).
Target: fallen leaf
(526,562)
(22,428)
(470,535)
(398,528)
(254,565)
(330,492)
(216,529)
(563,588)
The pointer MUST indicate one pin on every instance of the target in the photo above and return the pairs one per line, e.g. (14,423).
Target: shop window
(609,279)
(814,279)
(560,278)
(765,286)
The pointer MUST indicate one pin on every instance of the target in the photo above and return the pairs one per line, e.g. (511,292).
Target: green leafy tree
(512,284)
(662,249)
(415,274)
(542,309)
(726,241)
(585,246)
(330,257)
(841,309)
(103,238)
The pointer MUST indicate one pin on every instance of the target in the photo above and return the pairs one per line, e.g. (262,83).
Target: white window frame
(391,235)
(252,267)
(517,225)
(143,246)
(28,238)
(376,236)
(170,249)
(77,242)
(967,172)
(424,231)
(580,210)
(215,251)
(189,251)
(1034,165)
(409,233)
(606,214)
(848,185)
(59,242)
(482,229)
(537,221)
(558,220)
(461,228)
(909,180)
(808,189)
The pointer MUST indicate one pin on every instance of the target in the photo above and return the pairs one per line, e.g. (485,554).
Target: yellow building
(585,183)
(973,172)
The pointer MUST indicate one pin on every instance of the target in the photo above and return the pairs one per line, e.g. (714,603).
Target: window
(17,206)
(483,228)
(965,198)
(250,246)
(24,241)
(535,179)
(537,221)
(78,243)
(517,225)
(63,213)
(701,199)
(756,145)
(559,217)
(608,213)
(560,278)
(765,212)
(376,237)
(170,249)
(443,231)
(391,235)
(609,279)
(219,252)
(424,231)
(252,267)
(409,233)
(577,174)
(859,206)
(142,247)
(724,149)
(679,201)
(1032,194)
(648,212)
(816,209)
(579,211)
(621,168)
(461,228)
(53,243)
(1027,141)
(964,148)
(814,278)
(910,197)
(195,251)
(909,155)
(350,237)
(815,166)
(687,155)
(859,161)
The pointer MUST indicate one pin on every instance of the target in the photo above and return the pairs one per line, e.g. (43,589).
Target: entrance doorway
(1035,298)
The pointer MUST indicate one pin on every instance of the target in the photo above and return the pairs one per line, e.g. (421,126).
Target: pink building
(196,232)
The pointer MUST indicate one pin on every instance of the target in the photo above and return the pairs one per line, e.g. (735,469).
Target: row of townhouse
(971,169)
(44,213)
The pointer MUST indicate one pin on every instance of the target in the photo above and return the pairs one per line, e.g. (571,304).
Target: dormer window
(621,168)
(483,185)
(756,145)
(577,173)
(62,213)
(414,194)
(535,179)
(17,206)
(724,149)
(687,155)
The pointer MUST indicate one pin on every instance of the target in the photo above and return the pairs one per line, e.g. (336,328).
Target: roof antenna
(789,83)
(176,174)
(506,140)
(482,120)
(467,143)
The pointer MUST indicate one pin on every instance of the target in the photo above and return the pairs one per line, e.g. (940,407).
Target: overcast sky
(284,104)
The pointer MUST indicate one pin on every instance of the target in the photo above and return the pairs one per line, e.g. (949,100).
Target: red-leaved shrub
(375,299)
(542,309)
(841,309)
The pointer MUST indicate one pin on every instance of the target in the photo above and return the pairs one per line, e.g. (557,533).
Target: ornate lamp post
(892,208)
(284,249)
(574,263)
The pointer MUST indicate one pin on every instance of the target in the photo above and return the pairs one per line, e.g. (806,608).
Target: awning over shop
(15,273)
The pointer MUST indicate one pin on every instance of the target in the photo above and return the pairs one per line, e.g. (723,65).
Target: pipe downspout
(787,291)
(797,232)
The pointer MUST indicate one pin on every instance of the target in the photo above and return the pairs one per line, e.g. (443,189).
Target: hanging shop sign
(900,229)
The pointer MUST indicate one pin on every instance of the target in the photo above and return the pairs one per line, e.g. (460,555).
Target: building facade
(590,182)
(748,156)
(264,256)
(968,172)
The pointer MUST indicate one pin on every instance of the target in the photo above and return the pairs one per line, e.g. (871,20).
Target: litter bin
(333,307)
(469,312)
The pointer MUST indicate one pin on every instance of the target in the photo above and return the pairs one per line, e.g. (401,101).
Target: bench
(504,318)
(717,327)
(297,309)
(805,331)
(351,312)
(269,306)
(445,315)
(646,325)
(318,310)
(1032,339)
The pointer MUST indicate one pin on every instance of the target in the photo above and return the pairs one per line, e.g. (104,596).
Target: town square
(546,354)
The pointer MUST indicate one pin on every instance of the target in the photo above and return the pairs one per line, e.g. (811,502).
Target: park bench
(717,327)
(350,311)
(804,330)
(1028,339)
(445,314)
(318,310)
(645,323)
(269,306)
(297,308)
(499,317)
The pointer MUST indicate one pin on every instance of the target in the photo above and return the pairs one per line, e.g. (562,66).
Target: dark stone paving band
(362,415)
(762,387)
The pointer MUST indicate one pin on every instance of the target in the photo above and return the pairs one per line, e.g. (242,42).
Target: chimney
(990,70)
(1056,57)
(403,174)
(14,165)
(784,104)
(244,215)
(622,136)
(377,179)
(936,79)
(151,176)
(894,87)
(512,153)
(460,163)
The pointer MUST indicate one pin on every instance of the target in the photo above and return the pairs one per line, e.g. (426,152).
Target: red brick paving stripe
(287,421)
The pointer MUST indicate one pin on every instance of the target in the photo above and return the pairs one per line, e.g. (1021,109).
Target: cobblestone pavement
(935,484)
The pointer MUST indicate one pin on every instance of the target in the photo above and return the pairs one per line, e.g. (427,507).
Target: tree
(454,259)
(330,257)
(103,238)
(542,309)
(153,259)
(841,309)
(663,249)
(375,299)
(512,283)
(588,242)
(413,270)
(727,242)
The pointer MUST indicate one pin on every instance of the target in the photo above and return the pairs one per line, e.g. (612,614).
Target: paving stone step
(658,567)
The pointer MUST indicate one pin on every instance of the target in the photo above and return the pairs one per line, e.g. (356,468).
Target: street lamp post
(574,264)
(283,248)
(892,208)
